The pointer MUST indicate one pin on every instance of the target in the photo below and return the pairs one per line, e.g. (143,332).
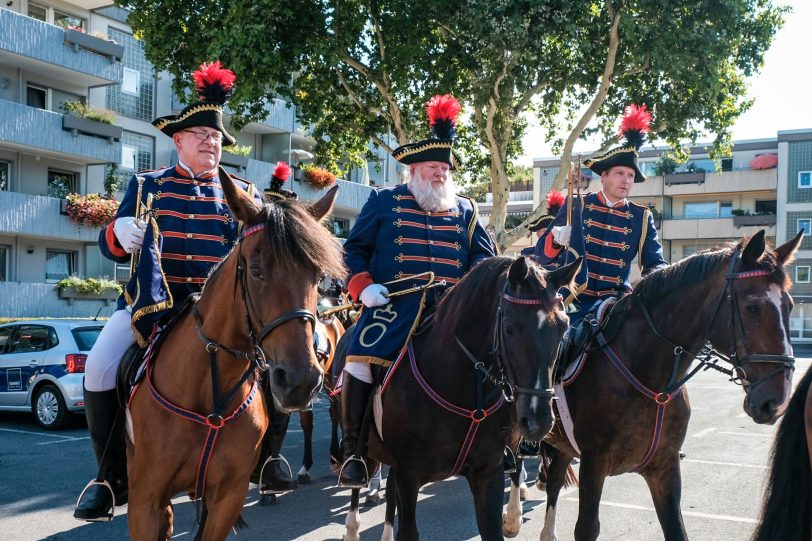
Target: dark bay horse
(483,368)
(628,405)
(787,509)
(197,420)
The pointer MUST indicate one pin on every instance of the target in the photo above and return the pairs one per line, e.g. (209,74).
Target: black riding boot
(354,400)
(273,478)
(102,410)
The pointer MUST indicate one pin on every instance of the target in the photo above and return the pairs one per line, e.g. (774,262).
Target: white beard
(433,198)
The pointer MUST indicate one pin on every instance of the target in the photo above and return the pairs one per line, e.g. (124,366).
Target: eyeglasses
(204,136)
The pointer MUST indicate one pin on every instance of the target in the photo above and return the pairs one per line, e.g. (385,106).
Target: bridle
(504,379)
(708,355)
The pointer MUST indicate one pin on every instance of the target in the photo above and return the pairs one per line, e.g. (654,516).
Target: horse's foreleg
(407,505)
(306,422)
(391,506)
(512,518)
(148,521)
(373,495)
(353,522)
(487,490)
(593,476)
(223,505)
(665,485)
(556,475)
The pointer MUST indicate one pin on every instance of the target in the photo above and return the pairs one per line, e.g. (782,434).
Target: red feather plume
(214,82)
(555,199)
(634,124)
(282,171)
(443,107)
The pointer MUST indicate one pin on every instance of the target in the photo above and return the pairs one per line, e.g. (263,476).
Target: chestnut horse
(197,420)
(628,405)
(787,510)
(482,368)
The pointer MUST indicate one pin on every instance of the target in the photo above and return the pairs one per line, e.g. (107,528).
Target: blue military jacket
(392,239)
(609,238)
(195,228)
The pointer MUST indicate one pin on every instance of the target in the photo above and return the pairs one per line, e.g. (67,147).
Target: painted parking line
(751,434)
(728,518)
(715,463)
(63,441)
(705,432)
(33,433)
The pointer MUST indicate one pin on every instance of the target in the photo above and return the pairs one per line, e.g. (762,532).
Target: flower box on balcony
(234,160)
(764,219)
(685,178)
(77,125)
(69,294)
(80,40)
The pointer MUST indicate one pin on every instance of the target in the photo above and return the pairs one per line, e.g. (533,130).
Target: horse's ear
(786,252)
(563,276)
(241,205)
(518,271)
(324,206)
(754,249)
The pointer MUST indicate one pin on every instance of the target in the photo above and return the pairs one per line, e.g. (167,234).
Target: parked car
(42,364)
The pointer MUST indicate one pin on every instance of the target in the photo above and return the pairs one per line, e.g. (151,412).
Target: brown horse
(628,405)
(787,510)
(197,419)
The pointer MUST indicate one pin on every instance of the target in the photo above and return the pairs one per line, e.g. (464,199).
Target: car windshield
(85,337)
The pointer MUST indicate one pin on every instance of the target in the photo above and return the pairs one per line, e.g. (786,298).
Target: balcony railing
(40,129)
(40,216)
(764,219)
(45,43)
(685,178)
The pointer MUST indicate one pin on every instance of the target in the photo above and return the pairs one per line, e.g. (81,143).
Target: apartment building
(57,53)
(765,184)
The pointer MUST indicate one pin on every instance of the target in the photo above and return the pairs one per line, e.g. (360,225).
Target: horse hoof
(541,485)
(267,499)
(508,532)
(372,500)
(524,494)
(303,478)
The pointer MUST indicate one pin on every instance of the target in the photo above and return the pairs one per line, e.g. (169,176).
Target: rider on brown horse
(402,235)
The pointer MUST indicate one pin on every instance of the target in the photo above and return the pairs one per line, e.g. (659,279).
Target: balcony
(351,195)
(684,178)
(751,180)
(41,132)
(39,216)
(713,228)
(280,118)
(45,51)
(743,221)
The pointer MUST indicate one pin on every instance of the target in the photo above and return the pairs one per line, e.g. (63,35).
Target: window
(5,339)
(766,207)
(59,264)
(136,95)
(85,337)
(701,210)
(35,11)
(136,152)
(805,224)
(36,97)
(341,228)
(61,184)
(805,179)
(5,168)
(802,274)
(66,20)
(4,263)
(131,81)
(725,207)
(727,164)
(32,338)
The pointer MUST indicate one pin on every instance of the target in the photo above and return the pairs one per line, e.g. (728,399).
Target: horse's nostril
(280,377)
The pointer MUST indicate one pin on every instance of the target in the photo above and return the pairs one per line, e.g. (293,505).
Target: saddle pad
(566,418)
(572,369)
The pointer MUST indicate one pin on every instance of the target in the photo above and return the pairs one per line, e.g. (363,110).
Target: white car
(42,365)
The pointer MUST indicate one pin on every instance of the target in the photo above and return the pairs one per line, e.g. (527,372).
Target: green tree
(360,69)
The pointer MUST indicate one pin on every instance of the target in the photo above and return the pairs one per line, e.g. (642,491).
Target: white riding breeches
(359,370)
(105,356)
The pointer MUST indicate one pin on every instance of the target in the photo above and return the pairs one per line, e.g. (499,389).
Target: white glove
(561,235)
(374,295)
(130,233)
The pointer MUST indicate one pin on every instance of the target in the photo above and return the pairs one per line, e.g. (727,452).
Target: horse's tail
(785,513)
(547,452)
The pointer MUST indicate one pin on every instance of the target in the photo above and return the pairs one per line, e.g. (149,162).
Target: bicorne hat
(280,175)
(633,126)
(443,112)
(555,200)
(214,85)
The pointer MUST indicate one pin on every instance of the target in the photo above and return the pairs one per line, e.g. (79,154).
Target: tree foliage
(360,69)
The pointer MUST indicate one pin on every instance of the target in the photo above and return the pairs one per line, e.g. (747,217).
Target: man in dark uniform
(189,231)
(607,229)
(401,235)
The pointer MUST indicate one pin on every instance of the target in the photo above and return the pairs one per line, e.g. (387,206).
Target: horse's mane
(296,238)
(480,284)
(700,266)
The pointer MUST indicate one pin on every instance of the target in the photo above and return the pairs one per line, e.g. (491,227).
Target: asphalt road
(41,474)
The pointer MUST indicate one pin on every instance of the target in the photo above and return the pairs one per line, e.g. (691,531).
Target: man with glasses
(196,231)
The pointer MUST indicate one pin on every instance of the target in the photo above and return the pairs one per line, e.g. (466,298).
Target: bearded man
(403,238)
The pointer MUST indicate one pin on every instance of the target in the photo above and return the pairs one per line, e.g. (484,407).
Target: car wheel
(49,407)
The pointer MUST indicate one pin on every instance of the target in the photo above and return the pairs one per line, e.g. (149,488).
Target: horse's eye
(256,273)
(753,309)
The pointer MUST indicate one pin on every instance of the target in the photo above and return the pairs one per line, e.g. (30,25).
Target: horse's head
(530,326)
(279,268)
(752,324)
